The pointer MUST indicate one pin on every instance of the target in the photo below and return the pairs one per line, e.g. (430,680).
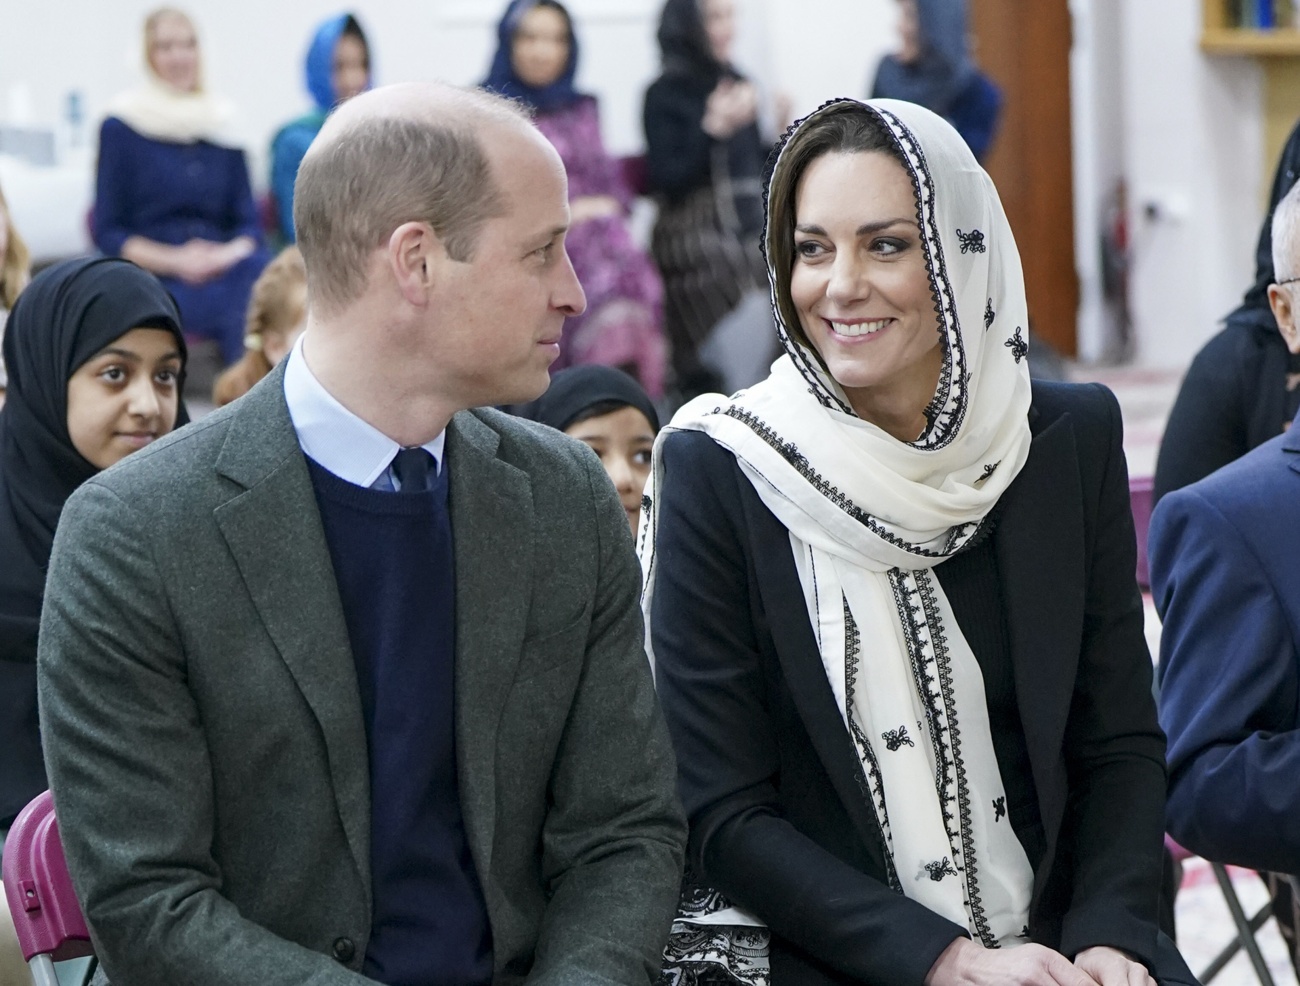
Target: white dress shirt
(335,438)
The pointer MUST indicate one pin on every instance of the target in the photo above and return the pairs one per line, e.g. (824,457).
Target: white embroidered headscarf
(870,517)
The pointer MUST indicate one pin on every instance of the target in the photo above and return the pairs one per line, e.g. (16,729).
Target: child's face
(125,396)
(623,439)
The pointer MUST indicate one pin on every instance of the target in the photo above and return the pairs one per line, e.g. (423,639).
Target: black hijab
(1254,310)
(579,388)
(685,44)
(737,163)
(65,316)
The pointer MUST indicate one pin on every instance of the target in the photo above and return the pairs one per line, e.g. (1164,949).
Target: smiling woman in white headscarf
(892,606)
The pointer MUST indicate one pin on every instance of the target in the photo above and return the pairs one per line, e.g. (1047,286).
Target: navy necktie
(413,468)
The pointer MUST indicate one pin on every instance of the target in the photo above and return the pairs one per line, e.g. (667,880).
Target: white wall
(1097,123)
(254,50)
(1184,129)
(1193,135)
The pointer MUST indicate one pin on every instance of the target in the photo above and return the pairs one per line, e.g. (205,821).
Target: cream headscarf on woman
(160,112)
(870,517)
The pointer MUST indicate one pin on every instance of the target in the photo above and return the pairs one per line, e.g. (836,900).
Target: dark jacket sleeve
(716,695)
(611,853)
(1114,749)
(1229,688)
(677,148)
(123,736)
(1207,427)
(112,216)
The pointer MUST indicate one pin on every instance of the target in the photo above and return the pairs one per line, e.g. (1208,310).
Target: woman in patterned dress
(536,61)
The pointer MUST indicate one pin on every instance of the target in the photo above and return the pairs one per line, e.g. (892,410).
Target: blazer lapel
(491,507)
(796,649)
(1040,555)
(274,532)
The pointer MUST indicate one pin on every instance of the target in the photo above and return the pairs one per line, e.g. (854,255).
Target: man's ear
(1279,299)
(415,256)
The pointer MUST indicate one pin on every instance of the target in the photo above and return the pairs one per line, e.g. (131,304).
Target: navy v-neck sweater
(393,562)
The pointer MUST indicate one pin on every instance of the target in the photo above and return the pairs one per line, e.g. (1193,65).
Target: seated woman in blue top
(338,68)
(933,69)
(172,191)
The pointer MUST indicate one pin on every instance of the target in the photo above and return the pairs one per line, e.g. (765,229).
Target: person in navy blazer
(1224,555)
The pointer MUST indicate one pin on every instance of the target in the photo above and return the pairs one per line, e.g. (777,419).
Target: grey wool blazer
(204,734)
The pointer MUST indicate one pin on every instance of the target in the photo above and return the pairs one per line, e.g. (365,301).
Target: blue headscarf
(320,60)
(942,71)
(502,78)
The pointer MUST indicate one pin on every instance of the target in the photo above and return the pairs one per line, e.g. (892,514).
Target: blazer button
(344,949)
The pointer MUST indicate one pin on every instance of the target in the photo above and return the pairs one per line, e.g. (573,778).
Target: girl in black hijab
(1242,387)
(96,358)
(704,162)
(611,413)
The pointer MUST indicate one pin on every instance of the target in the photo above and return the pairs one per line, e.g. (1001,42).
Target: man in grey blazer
(276,755)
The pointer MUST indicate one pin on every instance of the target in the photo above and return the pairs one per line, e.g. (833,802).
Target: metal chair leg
(1246,929)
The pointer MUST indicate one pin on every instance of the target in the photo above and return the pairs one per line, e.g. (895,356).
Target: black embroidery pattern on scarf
(956,535)
(931,662)
(868,767)
(999,808)
(647,526)
(946,411)
(799,461)
(939,869)
(896,739)
(803,360)
(1019,348)
(988,315)
(972,242)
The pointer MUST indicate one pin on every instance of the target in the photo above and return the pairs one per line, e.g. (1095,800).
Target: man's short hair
(1286,236)
(382,171)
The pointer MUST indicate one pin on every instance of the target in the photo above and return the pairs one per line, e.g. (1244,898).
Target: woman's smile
(852,331)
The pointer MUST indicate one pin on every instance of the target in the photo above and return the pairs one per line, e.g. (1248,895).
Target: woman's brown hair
(16,269)
(846,127)
(275,308)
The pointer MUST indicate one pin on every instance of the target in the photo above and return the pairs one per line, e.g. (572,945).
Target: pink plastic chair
(1140,493)
(41,899)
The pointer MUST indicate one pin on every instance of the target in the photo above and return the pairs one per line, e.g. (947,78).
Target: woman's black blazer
(779,819)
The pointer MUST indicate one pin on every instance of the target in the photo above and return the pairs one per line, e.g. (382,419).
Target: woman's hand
(1111,967)
(964,963)
(593,207)
(733,104)
(225,255)
(194,262)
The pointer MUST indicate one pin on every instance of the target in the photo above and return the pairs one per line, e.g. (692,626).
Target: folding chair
(42,902)
(1246,930)
(1246,926)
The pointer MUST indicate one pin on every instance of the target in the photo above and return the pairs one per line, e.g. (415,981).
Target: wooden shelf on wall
(1221,36)
(1279,42)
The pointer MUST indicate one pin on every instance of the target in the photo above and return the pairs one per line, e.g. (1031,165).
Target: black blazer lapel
(274,532)
(1040,555)
(491,505)
(805,675)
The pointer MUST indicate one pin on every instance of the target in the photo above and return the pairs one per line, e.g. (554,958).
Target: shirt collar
(334,437)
